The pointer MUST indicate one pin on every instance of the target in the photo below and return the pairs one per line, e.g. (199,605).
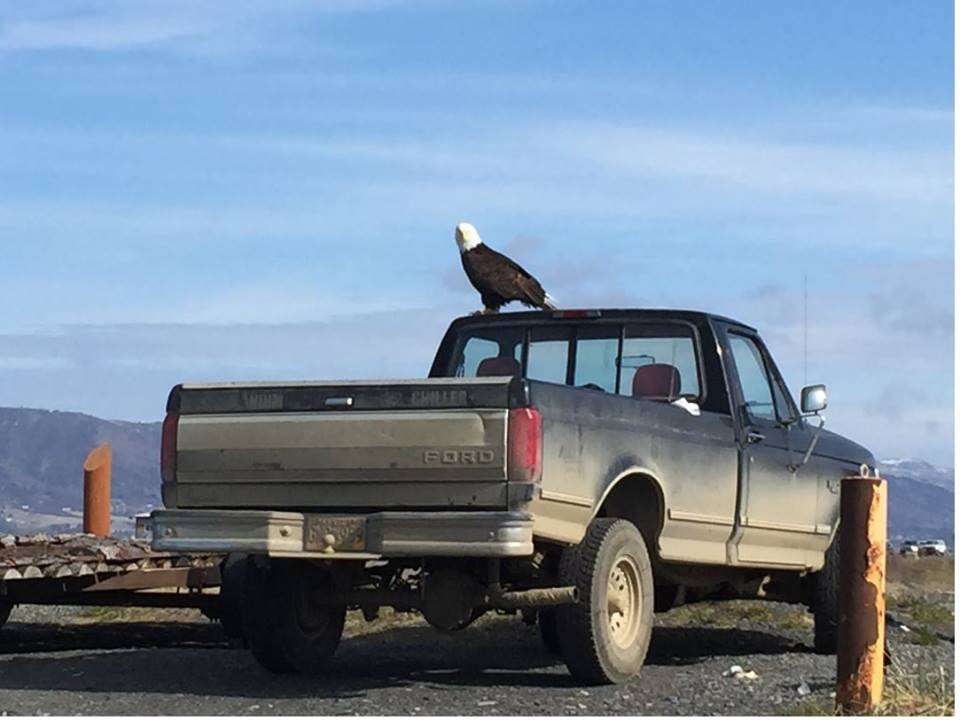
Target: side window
(784,411)
(548,353)
(753,377)
(668,345)
(597,356)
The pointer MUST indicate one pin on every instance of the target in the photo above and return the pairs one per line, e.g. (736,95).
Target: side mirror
(813,399)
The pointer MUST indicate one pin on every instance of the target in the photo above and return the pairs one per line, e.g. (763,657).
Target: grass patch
(904,694)
(387,618)
(813,707)
(93,615)
(922,635)
(732,613)
(924,611)
(930,572)
(924,617)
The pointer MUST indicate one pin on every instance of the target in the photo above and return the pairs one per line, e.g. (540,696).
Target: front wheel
(605,636)
(826,600)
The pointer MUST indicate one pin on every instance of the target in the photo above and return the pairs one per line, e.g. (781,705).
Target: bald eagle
(496,277)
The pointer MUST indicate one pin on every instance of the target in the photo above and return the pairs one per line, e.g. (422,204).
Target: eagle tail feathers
(549,302)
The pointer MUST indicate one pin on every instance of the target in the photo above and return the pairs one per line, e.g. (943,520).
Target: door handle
(754,437)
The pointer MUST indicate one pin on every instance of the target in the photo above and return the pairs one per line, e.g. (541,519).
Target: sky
(253,190)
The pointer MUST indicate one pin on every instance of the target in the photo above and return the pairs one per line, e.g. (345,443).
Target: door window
(753,378)
(784,410)
(660,344)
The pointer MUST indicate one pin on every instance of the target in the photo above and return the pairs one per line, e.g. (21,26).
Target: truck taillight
(168,447)
(524,445)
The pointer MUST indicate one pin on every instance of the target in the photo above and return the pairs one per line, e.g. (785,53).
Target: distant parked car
(932,547)
(909,547)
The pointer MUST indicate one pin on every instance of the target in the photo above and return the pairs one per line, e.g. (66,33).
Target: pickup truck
(584,468)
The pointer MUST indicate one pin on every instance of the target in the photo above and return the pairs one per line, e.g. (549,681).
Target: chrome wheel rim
(624,601)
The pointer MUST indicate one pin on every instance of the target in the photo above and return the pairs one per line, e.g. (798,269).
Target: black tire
(258,621)
(547,622)
(826,600)
(5,609)
(612,553)
(290,631)
(233,574)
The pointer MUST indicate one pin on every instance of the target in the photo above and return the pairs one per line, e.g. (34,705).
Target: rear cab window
(647,360)
(488,351)
(548,353)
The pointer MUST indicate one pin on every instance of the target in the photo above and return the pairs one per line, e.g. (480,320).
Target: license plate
(334,534)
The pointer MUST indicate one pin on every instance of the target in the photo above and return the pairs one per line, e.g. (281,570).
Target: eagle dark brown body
(497,278)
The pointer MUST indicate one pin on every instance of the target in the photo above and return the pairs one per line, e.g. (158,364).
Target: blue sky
(268,190)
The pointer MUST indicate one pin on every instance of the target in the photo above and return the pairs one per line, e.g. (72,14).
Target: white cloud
(761,166)
(106,25)
(126,370)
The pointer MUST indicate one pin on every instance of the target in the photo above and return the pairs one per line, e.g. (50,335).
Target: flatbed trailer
(80,569)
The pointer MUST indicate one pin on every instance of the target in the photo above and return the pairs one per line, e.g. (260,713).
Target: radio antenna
(804,329)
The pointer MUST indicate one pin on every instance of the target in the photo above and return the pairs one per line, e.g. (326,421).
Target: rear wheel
(309,627)
(826,602)
(294,628)
(233,574)
(258,621)
(605,636)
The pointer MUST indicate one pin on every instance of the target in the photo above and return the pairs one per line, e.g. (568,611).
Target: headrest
(656,382)
(493,366)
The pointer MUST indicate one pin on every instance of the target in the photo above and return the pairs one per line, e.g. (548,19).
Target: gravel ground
(57,661)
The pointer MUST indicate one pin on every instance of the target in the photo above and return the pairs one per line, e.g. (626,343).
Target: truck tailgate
(342,445)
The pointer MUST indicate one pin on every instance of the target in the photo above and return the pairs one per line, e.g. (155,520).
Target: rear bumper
(383,534)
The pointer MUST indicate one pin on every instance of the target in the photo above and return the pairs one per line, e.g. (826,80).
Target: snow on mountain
(919,471)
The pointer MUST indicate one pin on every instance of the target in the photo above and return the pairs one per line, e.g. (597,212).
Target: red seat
(657,382)
(494,366)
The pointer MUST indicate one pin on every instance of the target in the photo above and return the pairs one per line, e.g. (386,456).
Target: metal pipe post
(863,557)
(96,491)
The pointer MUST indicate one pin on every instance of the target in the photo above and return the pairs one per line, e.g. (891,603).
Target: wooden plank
(160,578)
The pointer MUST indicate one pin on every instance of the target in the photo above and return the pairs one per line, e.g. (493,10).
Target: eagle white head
(467,237)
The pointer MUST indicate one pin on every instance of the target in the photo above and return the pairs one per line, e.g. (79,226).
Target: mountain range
(42,453)
(919,499)
(41,463)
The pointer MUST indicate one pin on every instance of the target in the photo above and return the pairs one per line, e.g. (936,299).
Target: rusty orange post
(96,491)
(862,606)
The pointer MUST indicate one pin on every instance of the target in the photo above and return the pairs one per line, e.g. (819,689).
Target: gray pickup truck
(583,468)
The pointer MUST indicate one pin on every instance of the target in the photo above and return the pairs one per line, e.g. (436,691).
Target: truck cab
(690,402)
